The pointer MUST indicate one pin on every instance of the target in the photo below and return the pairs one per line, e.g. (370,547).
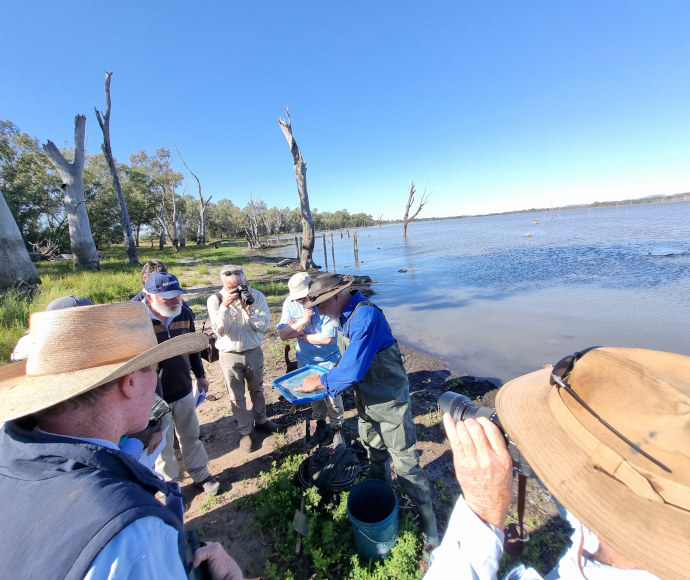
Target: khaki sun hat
(74,350)
(299,285)
(325,286)
(632,489)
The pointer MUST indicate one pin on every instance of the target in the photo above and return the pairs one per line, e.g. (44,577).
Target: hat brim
(654,536)
(326,295)
(170,294)
(22,395)
(297,294)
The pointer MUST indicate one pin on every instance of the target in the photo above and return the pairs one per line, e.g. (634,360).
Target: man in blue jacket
(371,362)
(73,504)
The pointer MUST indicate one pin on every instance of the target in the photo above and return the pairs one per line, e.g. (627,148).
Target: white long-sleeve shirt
(237,330)
(472,549)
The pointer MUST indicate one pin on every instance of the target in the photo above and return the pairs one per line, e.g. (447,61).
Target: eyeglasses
(233,273)
(559,376)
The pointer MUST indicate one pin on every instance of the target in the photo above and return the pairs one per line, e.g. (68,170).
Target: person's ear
(126,385)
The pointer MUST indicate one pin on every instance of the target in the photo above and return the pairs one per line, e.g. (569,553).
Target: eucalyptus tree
(166,179)
(407,218)
(202,206)
(225,220)
(30,186)
(81,241)
(17,271)
(300,167)
(104,122)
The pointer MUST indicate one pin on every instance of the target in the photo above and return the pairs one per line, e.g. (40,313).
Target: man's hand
(310,384)
(483,467)
(220,565)
(233,296)
(307,314)
(154,441)
(202,384)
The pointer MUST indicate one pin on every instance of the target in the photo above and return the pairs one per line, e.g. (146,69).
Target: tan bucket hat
(298,285)
(77,349)
(325,286)
(632,488)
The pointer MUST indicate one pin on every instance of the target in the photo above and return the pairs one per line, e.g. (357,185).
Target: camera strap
(516,536)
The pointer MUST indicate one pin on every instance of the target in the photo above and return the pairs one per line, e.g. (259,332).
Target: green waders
(385,421)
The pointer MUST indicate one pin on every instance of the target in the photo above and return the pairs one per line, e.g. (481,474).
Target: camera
(460,408)
(245,294)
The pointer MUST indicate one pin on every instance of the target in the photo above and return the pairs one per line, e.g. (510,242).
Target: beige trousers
(182,420)
(238,368)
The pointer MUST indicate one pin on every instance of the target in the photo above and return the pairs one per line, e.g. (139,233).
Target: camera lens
(461,408)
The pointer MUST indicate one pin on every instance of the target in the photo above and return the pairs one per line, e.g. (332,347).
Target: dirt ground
(220,519)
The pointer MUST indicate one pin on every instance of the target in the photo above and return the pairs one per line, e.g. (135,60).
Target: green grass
(118,281)
(329,544)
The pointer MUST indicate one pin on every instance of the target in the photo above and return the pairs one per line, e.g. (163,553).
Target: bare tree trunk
(80,238)
(180,230)
(17,271)
(104,122)
(164,229)
(300,167)
(252,231)
(410,200)
(203,205)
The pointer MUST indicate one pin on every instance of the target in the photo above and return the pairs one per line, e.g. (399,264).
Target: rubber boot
(320,433)
(427,519)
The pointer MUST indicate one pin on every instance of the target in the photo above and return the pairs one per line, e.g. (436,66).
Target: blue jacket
(368,333)
(62,500)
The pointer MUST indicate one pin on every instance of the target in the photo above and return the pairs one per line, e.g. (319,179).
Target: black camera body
(460,408)
(245,294)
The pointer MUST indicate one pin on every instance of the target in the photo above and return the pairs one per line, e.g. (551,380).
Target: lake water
(494,302)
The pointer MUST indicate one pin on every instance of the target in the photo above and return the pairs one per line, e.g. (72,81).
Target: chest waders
(385,422)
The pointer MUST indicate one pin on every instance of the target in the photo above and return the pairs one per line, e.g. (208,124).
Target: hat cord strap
(516,536)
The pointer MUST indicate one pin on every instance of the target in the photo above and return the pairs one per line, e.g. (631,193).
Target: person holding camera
(607,431)
(73,504)
(240,316)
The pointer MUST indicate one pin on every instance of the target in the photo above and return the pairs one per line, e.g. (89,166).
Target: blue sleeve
(285,315)
(369,333)
(145,549)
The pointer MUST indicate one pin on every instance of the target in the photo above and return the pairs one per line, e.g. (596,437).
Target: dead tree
(203,205)
(410,200)
(104,122)
(17,271)
(300,167)
(80,237)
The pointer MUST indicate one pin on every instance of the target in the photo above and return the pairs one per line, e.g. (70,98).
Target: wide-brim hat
(77,349)
(298,285)
(627,500)
(325,286)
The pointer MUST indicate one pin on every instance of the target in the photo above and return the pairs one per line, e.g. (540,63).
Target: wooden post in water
(333,251)
(297,247)
(325,255)
(354,241)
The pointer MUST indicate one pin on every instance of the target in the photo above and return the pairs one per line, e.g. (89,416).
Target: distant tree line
(158,198)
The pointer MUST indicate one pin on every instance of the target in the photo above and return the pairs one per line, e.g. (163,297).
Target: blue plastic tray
(287,384)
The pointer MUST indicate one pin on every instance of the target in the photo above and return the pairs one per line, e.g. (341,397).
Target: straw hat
(635,505)
(299,285)
(77,349)
(325,286)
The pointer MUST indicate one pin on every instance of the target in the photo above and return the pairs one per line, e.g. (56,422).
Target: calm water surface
(494,302)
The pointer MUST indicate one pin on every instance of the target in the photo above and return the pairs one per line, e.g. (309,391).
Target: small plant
(209,502)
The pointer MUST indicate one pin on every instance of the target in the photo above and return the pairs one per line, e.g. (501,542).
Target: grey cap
(68,302)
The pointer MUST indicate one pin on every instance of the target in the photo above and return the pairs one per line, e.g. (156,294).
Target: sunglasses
(233,273)
(559,376)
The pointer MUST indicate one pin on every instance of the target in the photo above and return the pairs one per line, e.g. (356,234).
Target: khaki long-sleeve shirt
(238,330)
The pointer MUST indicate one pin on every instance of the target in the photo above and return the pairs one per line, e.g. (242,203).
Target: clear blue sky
(496,105)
